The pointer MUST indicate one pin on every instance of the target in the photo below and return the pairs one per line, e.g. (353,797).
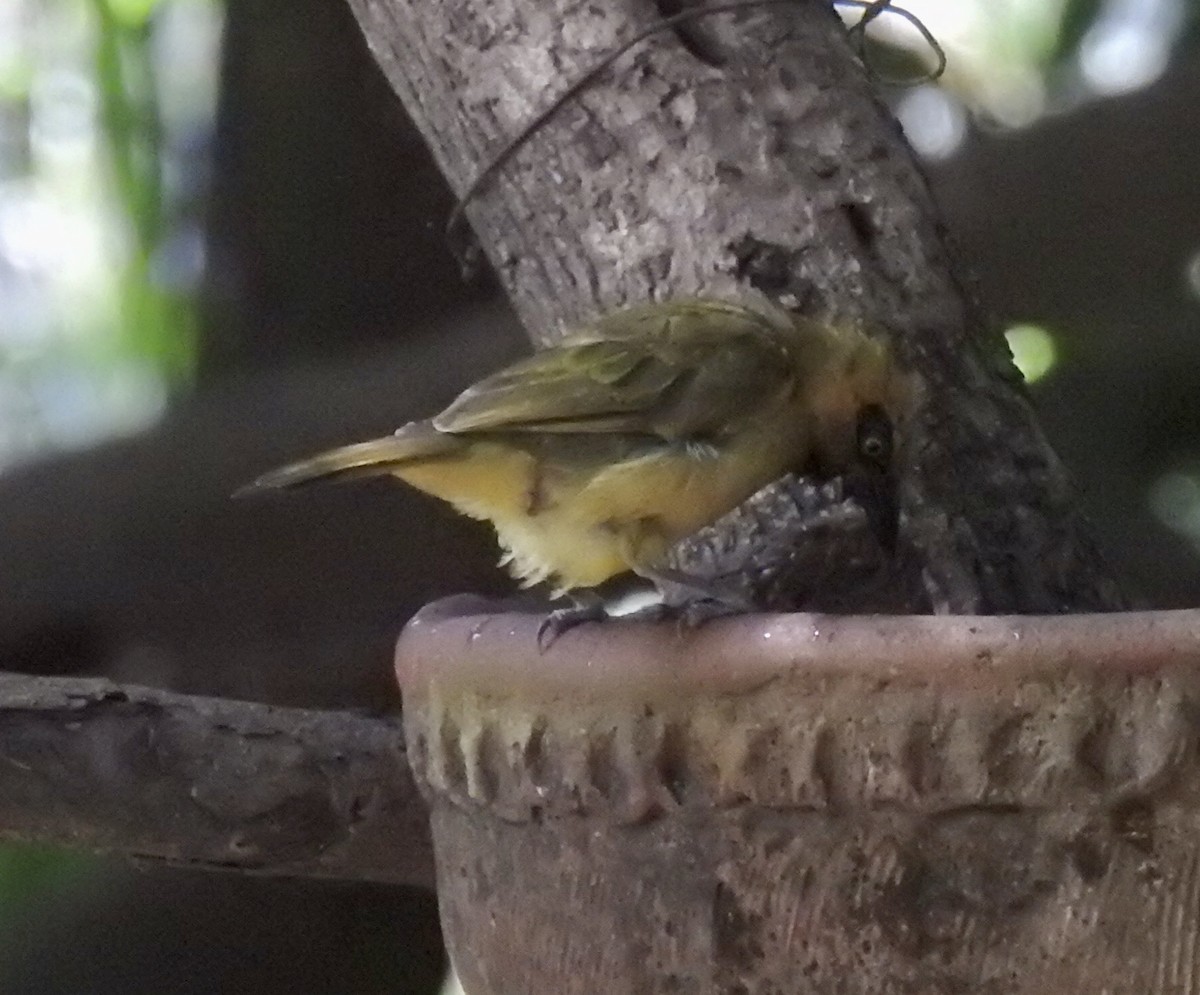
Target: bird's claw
(696,612)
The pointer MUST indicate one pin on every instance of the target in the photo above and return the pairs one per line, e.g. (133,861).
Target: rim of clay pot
(446,645)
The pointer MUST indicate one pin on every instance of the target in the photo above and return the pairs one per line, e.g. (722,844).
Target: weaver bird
(593,457)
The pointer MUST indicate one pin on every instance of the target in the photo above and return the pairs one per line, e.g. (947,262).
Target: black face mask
(871,482)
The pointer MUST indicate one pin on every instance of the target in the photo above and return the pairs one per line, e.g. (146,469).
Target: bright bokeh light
(452,985)
(1033,349)
(1191,274)
(934,121)
(1121,58)
(62,116)
(41,233)
(1175,501)
(1004,64)
(1129,46)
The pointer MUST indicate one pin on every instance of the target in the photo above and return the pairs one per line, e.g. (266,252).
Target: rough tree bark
(749,151)
(209,783)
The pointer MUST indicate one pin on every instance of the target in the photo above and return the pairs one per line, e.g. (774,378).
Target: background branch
(209,783)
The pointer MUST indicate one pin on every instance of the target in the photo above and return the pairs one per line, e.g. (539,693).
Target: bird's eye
(875,436)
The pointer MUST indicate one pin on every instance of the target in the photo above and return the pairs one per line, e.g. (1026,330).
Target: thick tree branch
(761,159)
(209,783)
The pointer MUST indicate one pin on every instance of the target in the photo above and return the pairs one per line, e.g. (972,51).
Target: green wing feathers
(643,372)
(416,440)
(565,388)
(679,371)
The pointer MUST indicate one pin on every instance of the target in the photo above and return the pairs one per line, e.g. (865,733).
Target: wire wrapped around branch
(468,253)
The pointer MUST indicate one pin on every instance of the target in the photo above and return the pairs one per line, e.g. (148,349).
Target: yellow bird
(593,457)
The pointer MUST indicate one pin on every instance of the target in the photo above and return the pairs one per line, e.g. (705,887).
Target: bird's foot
(562,619)
(697,611)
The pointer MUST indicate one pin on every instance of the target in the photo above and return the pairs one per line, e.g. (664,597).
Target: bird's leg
(694,600)
(586,606)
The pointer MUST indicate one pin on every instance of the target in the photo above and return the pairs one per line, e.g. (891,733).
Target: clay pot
(790,804)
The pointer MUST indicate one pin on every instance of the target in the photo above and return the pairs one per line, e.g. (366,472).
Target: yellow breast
(575,522)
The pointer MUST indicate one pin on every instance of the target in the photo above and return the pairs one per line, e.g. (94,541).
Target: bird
(593,457)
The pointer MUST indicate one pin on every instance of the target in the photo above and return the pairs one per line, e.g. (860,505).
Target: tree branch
(209,783)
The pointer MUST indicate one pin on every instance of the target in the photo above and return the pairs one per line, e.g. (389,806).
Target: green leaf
(132,13)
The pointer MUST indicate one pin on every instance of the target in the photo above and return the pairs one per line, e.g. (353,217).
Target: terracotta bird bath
(801,803)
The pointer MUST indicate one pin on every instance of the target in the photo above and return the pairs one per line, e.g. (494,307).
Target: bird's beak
(876,493)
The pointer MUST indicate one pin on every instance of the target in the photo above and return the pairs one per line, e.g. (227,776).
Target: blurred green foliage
(29,873)
(99,232)
(156,324)
(130,13)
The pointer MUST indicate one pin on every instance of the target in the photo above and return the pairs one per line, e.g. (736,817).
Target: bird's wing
(685,317)
(687,376)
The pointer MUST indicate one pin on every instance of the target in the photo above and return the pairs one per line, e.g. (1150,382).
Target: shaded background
(220,248)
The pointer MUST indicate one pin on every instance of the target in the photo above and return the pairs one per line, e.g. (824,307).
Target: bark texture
(747,154)
(209,783)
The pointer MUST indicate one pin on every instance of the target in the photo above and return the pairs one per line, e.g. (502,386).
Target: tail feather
(417,440)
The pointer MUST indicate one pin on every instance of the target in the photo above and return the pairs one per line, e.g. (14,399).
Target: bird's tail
(416,440)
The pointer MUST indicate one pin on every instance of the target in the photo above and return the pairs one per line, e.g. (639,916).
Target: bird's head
(860,405)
